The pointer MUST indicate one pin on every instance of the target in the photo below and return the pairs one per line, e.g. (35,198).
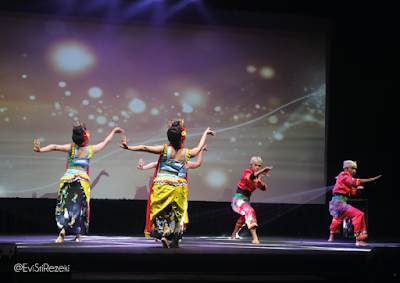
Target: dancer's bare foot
(78,238)
(235,236)
(331,238)
(362,243)
(164,243)
(254,235)
(235,233)
(61,236)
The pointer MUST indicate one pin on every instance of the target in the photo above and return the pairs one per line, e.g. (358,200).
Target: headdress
(256,159)
(348,163)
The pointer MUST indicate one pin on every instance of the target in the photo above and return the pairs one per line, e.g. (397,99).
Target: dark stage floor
(112,258)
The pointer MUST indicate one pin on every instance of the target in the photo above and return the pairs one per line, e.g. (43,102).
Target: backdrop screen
(262,91)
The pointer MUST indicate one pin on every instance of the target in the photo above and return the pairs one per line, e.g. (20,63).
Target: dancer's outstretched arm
(152,149)
(147,167)
(50,147)
(98,147)
(369,180)
(196,150)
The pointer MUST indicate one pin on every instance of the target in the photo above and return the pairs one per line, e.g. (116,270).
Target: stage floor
(200,258)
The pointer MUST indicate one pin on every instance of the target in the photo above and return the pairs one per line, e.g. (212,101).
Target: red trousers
(358,220)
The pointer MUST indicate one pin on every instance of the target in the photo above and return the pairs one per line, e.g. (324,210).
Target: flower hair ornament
(80,129)
(183,133)
(86,135)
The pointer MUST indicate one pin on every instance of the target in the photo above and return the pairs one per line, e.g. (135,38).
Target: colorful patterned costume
(345,187)
(73,202)
(167,203)
(247,184)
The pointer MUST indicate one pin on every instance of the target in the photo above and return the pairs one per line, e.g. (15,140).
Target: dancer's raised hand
(141,164)
(204,148)
(265,170)
(118,130)
(124,142)
(209,132)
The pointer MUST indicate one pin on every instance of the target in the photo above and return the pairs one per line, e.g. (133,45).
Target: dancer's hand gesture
(118,130)
(265,170)
(36,145)
(377,177)
(204,148)
(141,164)
(124,142)
(209,132)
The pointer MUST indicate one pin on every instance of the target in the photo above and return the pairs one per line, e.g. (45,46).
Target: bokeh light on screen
(251,69)
(267,72)
(193,97)
(137,105)
(186,108)
(216,179)
(101,120)
(154,111)
(72,57)
(273,119)
(95,92)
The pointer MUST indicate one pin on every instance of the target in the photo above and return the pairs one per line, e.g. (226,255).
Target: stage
(111,258)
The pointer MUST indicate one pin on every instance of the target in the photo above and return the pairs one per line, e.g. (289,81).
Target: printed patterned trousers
(358,220)
(247,214)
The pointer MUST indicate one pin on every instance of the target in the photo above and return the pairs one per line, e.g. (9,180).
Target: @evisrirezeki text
(44,267)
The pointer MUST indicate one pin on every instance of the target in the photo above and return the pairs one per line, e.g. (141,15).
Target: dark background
(361,125)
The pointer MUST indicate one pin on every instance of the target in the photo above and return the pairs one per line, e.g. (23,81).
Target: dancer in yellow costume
(182,173)
(73,202)
(167,203)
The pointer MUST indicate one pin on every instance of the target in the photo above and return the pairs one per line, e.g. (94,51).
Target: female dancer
(345,187)
(167,204)
(73,202)
(182,173)
(250,181)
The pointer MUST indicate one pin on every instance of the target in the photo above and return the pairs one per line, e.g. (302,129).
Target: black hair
(77,134)
(174,136)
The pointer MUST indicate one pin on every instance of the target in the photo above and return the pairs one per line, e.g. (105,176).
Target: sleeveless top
(170,167)
(77,168)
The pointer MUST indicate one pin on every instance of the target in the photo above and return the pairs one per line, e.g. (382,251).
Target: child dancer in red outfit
(347,186)
(250,181)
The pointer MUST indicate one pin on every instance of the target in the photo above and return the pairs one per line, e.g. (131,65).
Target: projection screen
(262,91)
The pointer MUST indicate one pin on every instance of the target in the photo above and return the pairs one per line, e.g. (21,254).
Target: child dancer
(347,186)
(250,181)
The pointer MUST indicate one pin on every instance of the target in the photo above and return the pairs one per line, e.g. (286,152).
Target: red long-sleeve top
(347,185)
(250,183)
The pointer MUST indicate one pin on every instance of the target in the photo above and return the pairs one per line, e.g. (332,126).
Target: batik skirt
(168,203)
(72,209)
